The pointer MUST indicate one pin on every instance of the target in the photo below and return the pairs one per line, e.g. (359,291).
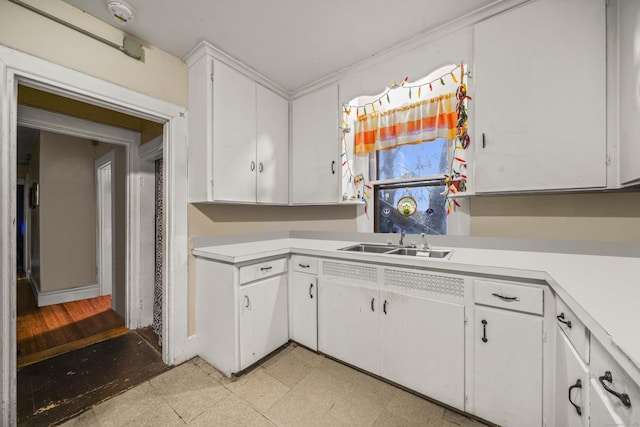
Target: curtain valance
(423,121)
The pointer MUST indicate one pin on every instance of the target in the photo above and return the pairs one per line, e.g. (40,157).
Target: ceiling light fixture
(121,12)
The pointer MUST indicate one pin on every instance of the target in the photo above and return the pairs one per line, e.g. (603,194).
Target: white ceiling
(291,42)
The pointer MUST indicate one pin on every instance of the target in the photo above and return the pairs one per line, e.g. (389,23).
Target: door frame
(26,69)
(105,225)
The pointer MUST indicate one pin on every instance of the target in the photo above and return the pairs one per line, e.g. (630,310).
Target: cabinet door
(628,15)
(422,346)
(540,97)
(348,324)
(273,147)
(572,385)
(601,413)
(314,165)
(263,319)
(234,135)
(508,367)
(304,310)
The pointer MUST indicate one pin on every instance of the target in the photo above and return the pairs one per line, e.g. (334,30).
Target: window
(413,173)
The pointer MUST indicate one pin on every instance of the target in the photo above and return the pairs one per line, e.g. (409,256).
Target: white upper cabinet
(315,166)
(540,97)
(238,137)
(234,135)
(272,147)
(629,81)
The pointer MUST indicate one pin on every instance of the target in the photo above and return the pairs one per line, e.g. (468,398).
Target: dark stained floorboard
(61,387)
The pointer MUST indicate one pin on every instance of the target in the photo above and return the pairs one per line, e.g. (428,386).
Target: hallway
(44,332)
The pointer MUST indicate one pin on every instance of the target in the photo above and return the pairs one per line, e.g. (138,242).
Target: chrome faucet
(425,245)
(401,242)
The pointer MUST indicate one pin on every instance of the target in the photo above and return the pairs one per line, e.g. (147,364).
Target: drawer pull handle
(561,320)
(384,307)
(266,268)
(310,290)
(578,384)
(260,167)
(484,331)
(333,164)
(304,265)
(507,299)
(624,397)
(247,301)
(253,166)
(372,302)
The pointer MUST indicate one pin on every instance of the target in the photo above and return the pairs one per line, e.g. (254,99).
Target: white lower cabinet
(422,346)
(241,311)
(413,341)
(304,309)
(507,372)
(263,319)
(348,324)
(572,385)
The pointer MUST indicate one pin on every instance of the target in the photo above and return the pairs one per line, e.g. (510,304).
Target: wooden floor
(44,332)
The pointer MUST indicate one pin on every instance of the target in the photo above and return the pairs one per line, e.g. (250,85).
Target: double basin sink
(398,250)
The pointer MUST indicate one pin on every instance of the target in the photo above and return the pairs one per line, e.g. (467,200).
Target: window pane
(407,161)
(430,217)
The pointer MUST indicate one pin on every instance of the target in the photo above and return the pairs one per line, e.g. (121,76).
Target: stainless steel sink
(369,248)
(395,250)
(433,253)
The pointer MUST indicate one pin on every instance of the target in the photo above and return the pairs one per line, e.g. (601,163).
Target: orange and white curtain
(421,122)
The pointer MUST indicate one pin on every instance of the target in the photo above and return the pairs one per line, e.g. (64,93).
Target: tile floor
(295,387)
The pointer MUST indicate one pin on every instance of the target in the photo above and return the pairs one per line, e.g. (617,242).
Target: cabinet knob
(578,384)
(624,397)
(484,331)
(560,318)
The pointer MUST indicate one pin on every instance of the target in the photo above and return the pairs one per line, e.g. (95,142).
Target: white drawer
(304,264)
(601,363)
(250,273)
(510,296)
(573,328)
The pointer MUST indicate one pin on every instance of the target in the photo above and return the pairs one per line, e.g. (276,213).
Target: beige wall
(67,212)
(159,74)
(585,216)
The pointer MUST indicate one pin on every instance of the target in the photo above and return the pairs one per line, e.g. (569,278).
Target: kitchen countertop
(600,289)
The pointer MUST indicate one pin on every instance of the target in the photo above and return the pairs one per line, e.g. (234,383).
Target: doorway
(17,67)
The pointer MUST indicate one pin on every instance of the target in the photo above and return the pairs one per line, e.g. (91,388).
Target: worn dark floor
(56,389)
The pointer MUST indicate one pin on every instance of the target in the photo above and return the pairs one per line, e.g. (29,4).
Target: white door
(540,97)
(272,147)
(422,346)
(264,325)
(234,135)
(348,324)
(304,310)
(104,173)
(315,167)
(508,367)
(572,385)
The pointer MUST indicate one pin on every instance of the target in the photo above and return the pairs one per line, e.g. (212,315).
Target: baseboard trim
(65,295)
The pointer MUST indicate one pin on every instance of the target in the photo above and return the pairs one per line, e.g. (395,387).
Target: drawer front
(250,273)
(621,383)
(304,264)
(573,328)
(510,296)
